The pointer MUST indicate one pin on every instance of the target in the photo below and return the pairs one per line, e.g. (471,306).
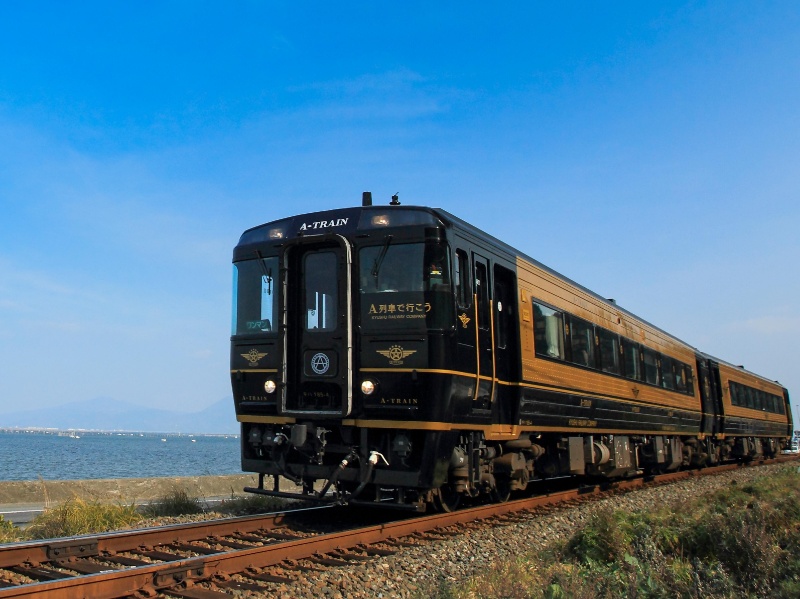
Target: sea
(78,455)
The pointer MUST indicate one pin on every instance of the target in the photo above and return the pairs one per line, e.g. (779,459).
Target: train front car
(342,323)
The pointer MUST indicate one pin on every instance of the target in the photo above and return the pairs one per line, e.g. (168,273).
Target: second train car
(398,356)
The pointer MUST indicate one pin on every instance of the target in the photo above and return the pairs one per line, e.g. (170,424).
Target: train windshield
(405,286)
(255,303)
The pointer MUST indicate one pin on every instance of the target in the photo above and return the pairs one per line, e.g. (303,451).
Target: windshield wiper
(379,260)
(267,276)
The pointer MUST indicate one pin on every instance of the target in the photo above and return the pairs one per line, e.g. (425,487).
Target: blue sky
(649,151)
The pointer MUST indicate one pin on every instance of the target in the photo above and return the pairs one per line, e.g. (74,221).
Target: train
(396,356)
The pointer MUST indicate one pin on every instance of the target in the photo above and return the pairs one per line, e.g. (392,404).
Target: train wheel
(446,498)
(502,489)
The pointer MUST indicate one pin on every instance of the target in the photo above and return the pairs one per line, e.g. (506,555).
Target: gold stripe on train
(540,386)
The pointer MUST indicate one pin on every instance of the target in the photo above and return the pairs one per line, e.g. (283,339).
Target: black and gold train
(397,355)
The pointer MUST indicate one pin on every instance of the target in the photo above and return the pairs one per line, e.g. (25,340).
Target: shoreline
(47,493)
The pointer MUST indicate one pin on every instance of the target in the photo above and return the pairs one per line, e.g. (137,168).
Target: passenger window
(630,352)
(582,342)
(680,378)
(609,351)
(689,380)
(735,399)
(548,331)
(667,373)
(463,287)
(650,366)
(751,400)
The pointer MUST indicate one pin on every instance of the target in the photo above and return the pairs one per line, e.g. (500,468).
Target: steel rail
(185,573)
(38,552)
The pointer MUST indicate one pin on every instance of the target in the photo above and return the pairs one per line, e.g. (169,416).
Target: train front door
(316,328)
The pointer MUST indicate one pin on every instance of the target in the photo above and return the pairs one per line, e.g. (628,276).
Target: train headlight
(270,386)
(367,387)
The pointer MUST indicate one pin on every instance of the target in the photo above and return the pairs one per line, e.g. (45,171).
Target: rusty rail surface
(178,575)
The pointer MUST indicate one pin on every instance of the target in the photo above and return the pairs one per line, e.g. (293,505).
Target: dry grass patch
(78,517)
(9,533)
(176,503)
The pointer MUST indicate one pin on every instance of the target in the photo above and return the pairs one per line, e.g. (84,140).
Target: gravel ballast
(415,571)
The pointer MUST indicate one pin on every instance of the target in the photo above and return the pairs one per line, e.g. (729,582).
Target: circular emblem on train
(396,353)
(320,363)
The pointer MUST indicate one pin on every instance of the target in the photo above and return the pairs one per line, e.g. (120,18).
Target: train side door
(716,394)
(506,340)
(317,329)
(484,391)
(465,329)
(710,419)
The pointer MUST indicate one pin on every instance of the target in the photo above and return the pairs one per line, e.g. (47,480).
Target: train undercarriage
(420,470)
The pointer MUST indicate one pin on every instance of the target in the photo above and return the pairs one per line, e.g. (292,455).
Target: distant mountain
(107,414)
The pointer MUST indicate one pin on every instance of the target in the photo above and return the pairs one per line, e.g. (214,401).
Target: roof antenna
(395,200)
(366,198)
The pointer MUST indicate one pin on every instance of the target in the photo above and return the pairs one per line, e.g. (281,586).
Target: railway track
(212,559)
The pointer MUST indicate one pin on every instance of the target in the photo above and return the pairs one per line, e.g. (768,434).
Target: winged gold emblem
(253,356)
(464,320)
(396,354)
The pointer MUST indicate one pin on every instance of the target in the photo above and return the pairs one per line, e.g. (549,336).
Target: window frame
(646,351)
(463,280)
(590,338)
(562,343)
(602,335)
(627,344)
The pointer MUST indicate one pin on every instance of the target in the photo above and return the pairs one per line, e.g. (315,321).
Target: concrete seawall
(47,493)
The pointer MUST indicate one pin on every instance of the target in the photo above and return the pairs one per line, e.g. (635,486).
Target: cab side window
(463,287)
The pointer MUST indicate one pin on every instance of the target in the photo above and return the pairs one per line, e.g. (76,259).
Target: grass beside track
(77,516)
(743,541)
